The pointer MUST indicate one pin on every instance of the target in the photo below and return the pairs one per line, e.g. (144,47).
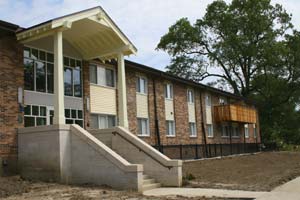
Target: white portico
(93,35)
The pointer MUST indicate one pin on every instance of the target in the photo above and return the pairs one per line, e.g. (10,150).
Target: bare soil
(259,172)
(14,188)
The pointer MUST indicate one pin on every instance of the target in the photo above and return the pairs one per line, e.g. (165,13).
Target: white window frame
(36,116)
(139,81)
(210,134)
(193,134)
(105,79)
(169,93)
(106,116)
(147,134)
(173,133)
(246,129)
(208,100)
(190,96)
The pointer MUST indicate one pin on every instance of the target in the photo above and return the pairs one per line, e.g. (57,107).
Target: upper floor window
(141,85)
(193,132)
(222,101)
(169,91)
(39,72)
(103,76)
(210,131)
(207,100)
(190,96)
(143,127)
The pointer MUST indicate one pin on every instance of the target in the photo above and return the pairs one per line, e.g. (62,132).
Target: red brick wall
(11,78)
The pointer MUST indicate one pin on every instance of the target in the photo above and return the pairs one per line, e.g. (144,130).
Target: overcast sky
(143,21)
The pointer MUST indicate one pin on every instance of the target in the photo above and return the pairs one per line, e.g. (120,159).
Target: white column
(122,99)
(59,107)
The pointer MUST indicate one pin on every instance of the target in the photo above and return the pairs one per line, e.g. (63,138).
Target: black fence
(198,151)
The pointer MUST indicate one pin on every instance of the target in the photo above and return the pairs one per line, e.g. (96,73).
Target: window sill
(143,135)
(169,99)
(194,136)
(225,137)
(103,86)
(236,137)
(143,94)
(171,136)
(46,93)
(210,136)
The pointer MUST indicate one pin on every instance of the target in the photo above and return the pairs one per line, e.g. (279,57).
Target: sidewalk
(287,191)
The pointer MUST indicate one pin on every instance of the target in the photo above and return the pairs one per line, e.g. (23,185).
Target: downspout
(203,126)
(156,117)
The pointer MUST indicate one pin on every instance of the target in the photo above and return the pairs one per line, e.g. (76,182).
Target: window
(102,76)
(102,121)
(225,130)
(235,130)
(143,127)
(169,91)
(39,70)
(35,115)
(222,101)
(74,116)
(190,96)
(254,131)
(193,132)
(141,86)
(170,128)
(207,100)
(210,132)
(246,130)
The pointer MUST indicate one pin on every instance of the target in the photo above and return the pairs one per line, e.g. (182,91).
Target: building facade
(55,68)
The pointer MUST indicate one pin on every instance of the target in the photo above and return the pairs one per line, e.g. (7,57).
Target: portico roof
(92,32)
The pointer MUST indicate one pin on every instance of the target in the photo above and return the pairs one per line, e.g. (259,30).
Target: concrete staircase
(149,183)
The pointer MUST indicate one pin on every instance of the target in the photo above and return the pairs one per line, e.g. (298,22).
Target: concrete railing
(166,171)
(69,154)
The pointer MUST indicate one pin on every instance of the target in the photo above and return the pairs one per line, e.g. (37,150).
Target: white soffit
(91,32)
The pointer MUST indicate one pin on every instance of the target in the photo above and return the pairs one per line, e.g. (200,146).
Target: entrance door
(50,114)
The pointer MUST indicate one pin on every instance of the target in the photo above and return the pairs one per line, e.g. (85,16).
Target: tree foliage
(249,45)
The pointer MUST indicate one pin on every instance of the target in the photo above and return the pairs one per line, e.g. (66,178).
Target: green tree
(249,45)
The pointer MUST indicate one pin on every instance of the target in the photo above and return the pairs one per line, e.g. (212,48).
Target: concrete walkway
(287,191)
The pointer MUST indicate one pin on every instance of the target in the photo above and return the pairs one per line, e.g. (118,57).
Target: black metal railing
(198,151)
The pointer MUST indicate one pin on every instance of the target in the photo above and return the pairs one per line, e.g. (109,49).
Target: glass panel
(94,122)
(72,63)
(41,121)
(79,114)
(66,62)
(29,121)
(51,116)
(43,111)
(68,82)
(93,74)
(42,55)
(34,54)
(101,79)
(50,78)
(69,121)
(28,74)
(79,122)
(50,57)
(35,110)
(77,83)
(40,76)
(111,121)
(74,114)
(110,81)
(78,63)
(27,110)
(102,121)
(67,113)
(26,52)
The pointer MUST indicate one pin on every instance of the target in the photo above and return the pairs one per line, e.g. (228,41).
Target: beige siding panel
(191,110)
(208,115)
(169,109)
(103,100)
(142,106)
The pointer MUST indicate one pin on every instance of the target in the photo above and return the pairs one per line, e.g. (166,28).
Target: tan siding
(142,106)
(191,110)
(103,100)
(169,108)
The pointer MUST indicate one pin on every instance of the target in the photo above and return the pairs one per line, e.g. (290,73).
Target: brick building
(51,68)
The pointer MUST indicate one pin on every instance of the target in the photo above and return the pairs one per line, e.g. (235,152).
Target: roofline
(9,26)
(160,73)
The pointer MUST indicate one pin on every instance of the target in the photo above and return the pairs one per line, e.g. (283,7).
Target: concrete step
(148,181)
(151,186)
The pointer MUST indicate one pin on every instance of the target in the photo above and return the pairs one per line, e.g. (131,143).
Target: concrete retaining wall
(69,154)
(166,171)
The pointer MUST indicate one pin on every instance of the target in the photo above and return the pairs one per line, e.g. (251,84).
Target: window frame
(36,116)
(190,98)
(254,131)
(208,100)
(105,67)
(225,127)
(98,115)
(193,135)
(246,130)
(211,135)
(138,85)
(236,132)
(173,134)
(74,119)
(169,91)
(147,134)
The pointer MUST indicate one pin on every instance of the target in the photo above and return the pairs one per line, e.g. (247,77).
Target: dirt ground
(259,172)
(14,188)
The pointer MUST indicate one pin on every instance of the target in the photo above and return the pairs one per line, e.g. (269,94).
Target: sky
(143,21)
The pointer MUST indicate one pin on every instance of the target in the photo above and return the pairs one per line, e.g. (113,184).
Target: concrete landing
(199,192)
